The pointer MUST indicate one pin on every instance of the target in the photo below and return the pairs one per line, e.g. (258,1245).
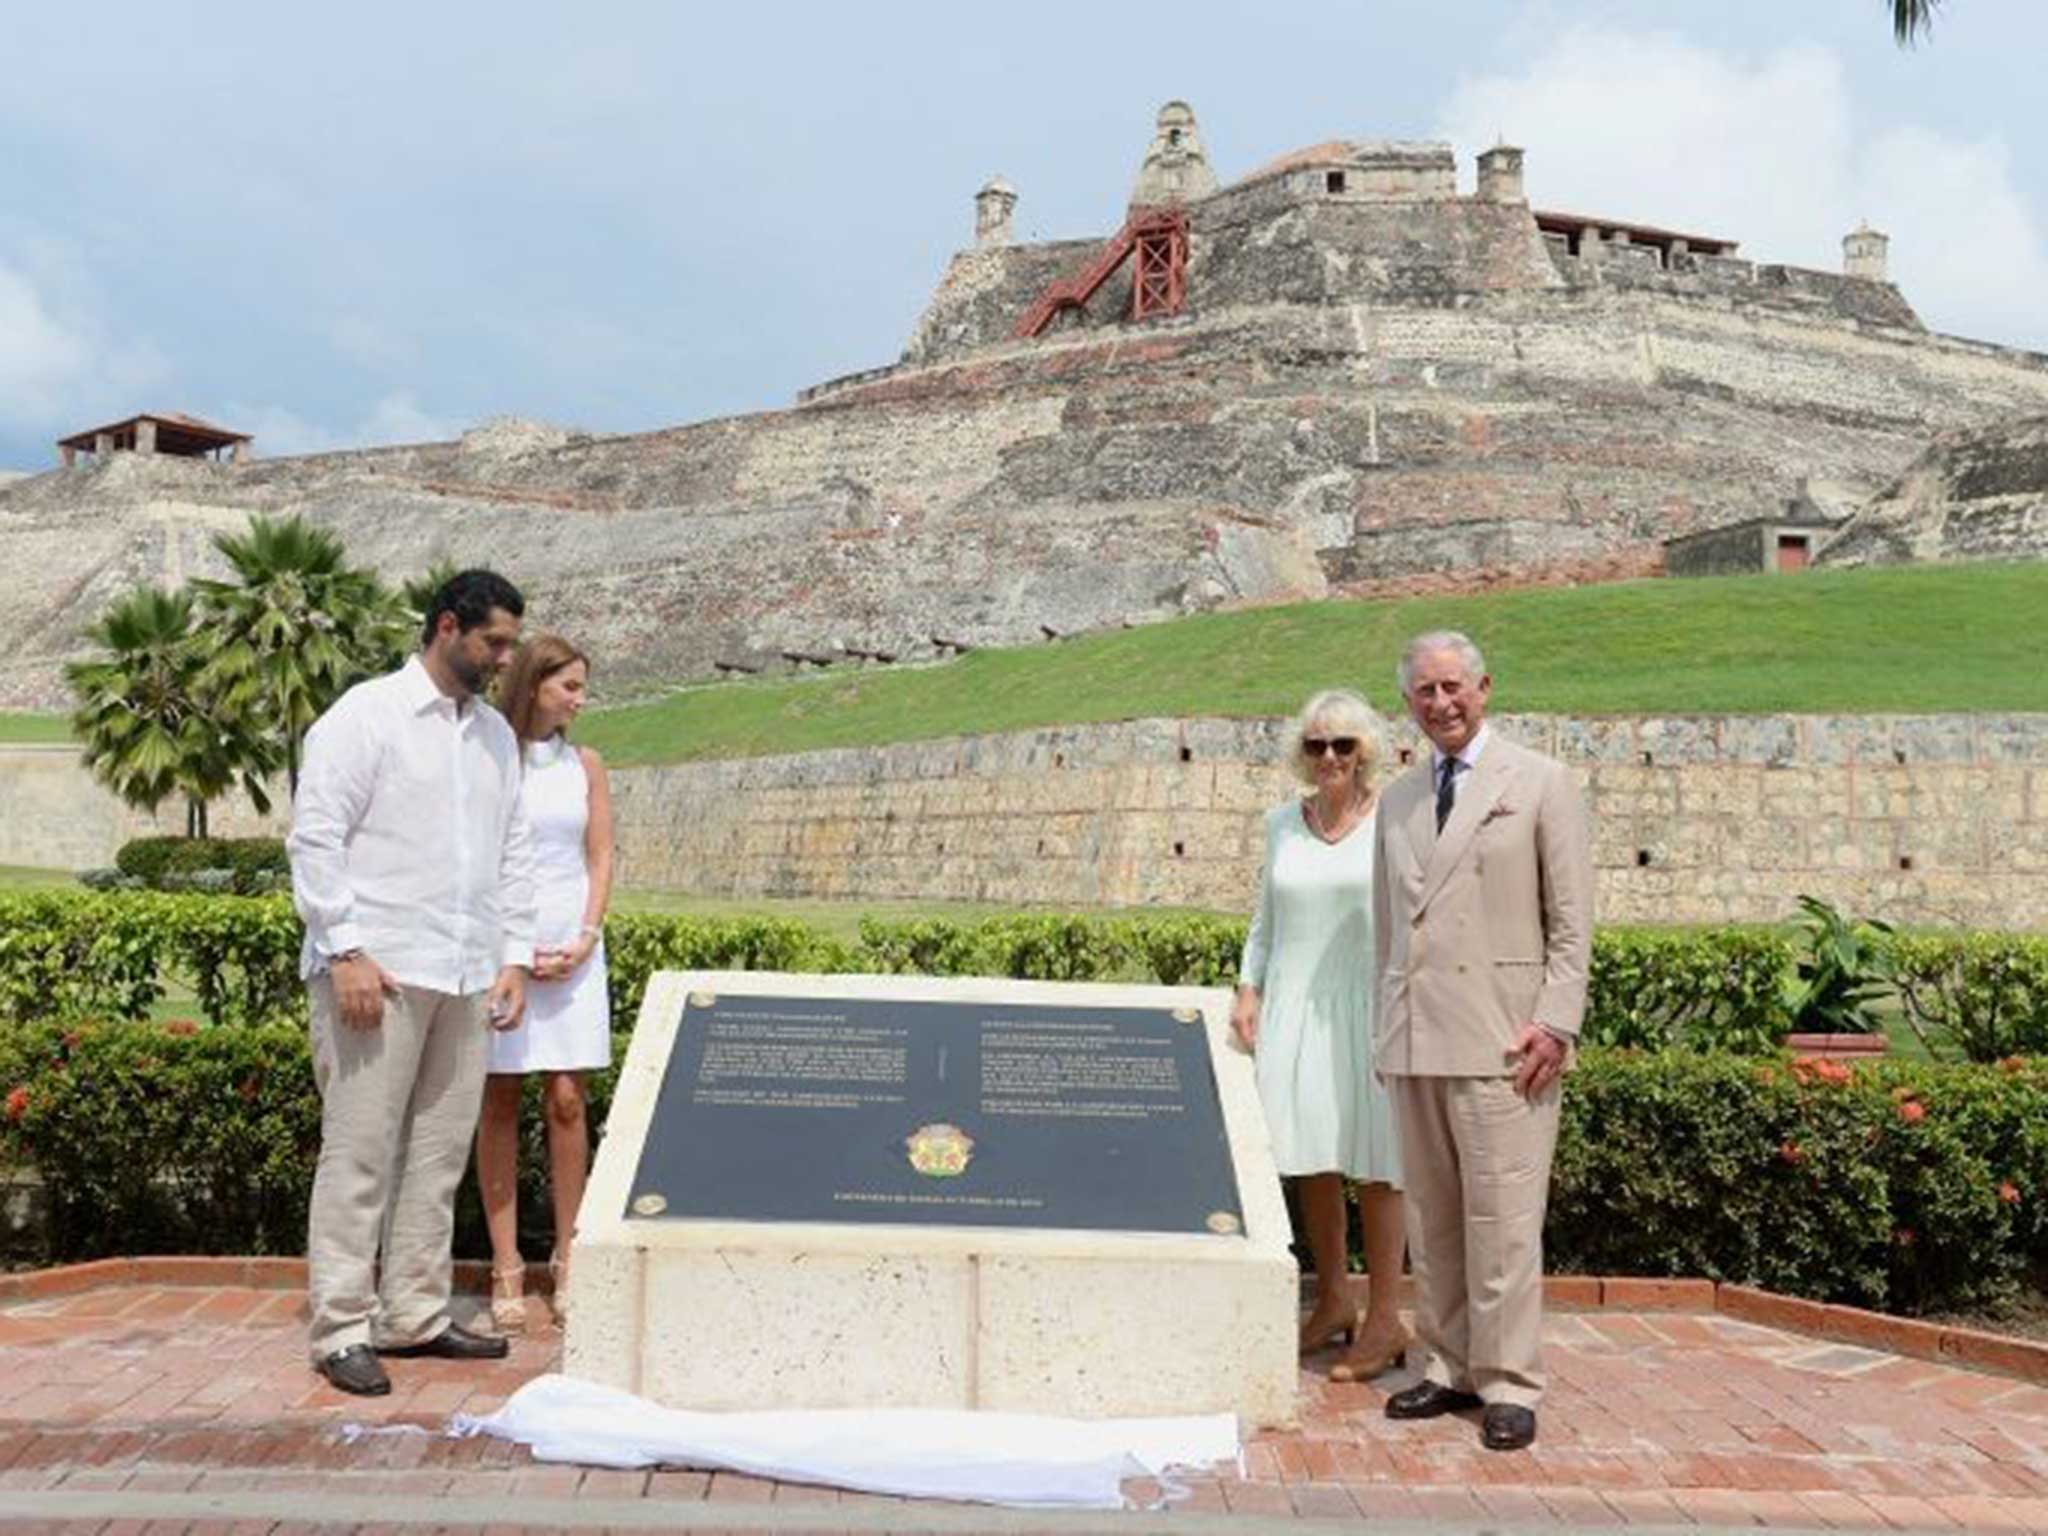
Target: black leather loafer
(455,1342)
(1507,1427)
(356,1370)
(1427,1400)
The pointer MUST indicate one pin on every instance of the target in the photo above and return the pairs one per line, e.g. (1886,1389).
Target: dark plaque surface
(939,1113)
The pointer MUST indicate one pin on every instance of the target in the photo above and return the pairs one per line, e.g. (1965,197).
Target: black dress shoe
(1507,1427)
(1427,1400)
(356,1370)
(454,1342)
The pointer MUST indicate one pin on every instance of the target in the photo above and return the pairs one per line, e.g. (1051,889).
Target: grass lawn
(19,726)
(1881,641)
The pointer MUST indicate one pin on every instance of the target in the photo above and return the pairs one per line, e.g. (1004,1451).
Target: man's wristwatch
(346,954)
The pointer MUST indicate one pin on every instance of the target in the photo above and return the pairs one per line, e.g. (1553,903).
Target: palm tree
(418,594)
(1912,18)
(150,726)
(296,627)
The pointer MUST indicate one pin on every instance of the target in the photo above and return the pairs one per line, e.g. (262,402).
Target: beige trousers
(1476,1155)
(398,1112)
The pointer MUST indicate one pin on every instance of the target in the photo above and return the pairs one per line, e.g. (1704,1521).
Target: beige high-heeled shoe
(1369,1356)
(508,1296)
(558,1294)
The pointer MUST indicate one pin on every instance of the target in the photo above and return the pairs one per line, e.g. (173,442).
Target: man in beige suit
(1483,905)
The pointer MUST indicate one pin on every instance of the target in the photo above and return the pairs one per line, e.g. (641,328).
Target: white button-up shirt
(409,838)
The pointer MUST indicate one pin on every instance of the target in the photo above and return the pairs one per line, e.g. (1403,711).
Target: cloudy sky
(384,222)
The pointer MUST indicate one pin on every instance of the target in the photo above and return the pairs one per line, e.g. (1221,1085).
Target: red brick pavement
(1654,1417)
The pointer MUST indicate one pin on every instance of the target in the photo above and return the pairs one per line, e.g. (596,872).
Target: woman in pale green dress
(1304,1008)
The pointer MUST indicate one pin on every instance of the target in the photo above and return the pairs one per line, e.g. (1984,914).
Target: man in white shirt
(412,868)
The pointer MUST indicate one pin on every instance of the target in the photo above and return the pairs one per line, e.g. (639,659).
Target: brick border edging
(1969,1348)
(472,1276)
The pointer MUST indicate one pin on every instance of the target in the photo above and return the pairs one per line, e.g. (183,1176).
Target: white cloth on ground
(1031,1460)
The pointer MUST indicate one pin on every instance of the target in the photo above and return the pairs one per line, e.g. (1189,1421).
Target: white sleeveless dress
(1310,953)
(568,1022)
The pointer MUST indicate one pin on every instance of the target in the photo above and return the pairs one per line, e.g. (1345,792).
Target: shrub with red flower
(1790,1152)
(17,1102)
(181,1026)
(2009,1192)
(1912,1111)
(1828,1070)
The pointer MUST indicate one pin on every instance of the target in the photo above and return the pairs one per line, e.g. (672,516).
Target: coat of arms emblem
(939,1150)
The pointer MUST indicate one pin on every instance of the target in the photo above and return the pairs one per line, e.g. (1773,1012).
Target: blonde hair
(1342,713)
(533,664)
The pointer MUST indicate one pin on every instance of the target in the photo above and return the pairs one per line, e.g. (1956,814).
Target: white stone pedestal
(716,1314)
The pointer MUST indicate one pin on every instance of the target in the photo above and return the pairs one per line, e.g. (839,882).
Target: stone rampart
(1396,422)
(1922,819)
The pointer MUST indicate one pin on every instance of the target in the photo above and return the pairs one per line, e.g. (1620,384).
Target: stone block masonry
(1933,819)
(1922,819)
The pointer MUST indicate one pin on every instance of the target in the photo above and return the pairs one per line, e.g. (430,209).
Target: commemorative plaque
(900,1191)
(865,1109)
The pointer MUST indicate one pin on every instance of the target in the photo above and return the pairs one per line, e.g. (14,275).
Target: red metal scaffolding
(1158,237)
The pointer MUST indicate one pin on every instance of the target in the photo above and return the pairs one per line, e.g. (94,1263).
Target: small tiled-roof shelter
(157,432)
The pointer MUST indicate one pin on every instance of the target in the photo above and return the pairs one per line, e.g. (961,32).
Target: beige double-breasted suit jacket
(1479,932)
(1487,928)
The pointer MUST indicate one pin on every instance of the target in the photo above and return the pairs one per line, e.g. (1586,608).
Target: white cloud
(396,418)
(1771,150)
(57,366)
(39,357)
(1972,256)
(370,342)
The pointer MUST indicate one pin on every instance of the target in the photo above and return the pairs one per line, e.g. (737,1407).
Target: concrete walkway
(176,1407)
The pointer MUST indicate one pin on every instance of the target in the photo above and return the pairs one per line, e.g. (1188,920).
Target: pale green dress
(1310,954)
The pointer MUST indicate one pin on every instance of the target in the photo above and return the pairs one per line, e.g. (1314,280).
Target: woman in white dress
(1304,1009)
(567,1031)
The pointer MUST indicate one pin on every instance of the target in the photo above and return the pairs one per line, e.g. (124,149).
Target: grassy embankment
(1909,640)
(1913,640)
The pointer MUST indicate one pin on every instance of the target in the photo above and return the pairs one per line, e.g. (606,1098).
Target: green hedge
(1913,1186)
(111,954)
(1910,1186)
(251,864)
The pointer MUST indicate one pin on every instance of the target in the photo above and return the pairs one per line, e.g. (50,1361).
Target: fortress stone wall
(1384,383)
(1921,819)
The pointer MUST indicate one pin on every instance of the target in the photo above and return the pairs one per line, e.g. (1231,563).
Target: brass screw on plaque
(1223,1223)
(1188,1015)
(703,999)
(650,1204)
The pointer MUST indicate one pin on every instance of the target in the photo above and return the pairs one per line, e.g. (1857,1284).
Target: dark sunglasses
(1316,746)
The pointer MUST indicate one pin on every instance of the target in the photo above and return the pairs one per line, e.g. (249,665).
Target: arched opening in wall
(1405,756)
(1333,182)
(1187,754)
(1905,861)
(1180,850)
(1646,760)
(1642,858)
